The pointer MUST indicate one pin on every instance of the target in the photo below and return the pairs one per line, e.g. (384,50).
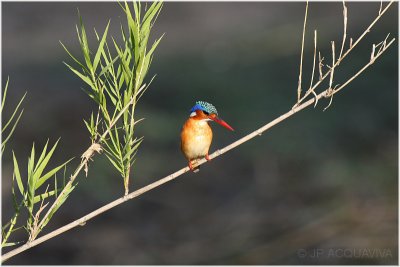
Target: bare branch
(119,201)
(320,65)
(347,52)
(344,28)
(313,68)
(365,67)
(302,54)
(332,71)
(383,46)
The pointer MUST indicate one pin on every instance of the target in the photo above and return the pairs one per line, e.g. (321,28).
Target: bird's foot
(207,157)
(192,168)
(191,165)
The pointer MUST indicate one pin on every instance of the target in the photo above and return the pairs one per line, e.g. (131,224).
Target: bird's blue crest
(207,107)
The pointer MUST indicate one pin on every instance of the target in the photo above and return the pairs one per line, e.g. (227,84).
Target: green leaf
(131,150)
(12,116)
(77,61)
(18,175)
(68,189)
(134,31)
(40,167)
(45,195)
(85,45)
(82,76)
(87,126)
(4,94)
(137,9)
(109,65)
(4,142)
(10,244)
(43,154)
(31,162)
(45,177)
(115,165)
(154,9)
(101,48)
(151,51)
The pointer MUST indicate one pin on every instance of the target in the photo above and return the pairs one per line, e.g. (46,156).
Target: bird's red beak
(221,122)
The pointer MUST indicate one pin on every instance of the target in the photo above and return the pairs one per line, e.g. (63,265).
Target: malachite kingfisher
(196,134)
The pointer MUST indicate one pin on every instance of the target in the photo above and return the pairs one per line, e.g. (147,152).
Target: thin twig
(119,201)
(365,67)
(352,45)
(313,68)
(302,54)
(320,65)
(344,28)
(332,72)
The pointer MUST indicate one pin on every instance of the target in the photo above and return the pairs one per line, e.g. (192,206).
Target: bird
(196,133)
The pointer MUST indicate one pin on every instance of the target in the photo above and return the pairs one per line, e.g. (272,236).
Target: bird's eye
(205,112)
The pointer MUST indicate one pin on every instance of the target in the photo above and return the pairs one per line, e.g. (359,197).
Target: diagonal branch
(121,200)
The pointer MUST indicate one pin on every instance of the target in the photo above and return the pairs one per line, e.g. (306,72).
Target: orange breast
(196,137)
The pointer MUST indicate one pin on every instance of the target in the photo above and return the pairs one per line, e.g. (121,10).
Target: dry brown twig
(302,104)
(302,54)
(352,45)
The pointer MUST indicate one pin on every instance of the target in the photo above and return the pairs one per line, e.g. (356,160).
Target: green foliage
(12,121)
(113,76)
(29,190)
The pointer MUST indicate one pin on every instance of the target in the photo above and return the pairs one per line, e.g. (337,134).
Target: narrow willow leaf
(137,9)
(147,23)
(31,161)
(76,60)
(125,64)
(68,190)
(82,76)
(12,116)
(155,6)
(45,177)
(128,157)
(43,153)
(91,95)
(87,126)
(115,165)
(151,51)
(97,35)
(141,92)
(85,45)
(40,167)
(4,142)
(18,176)
(45,195)
(10,244)
(55,184)
(134,31)
(92,121)
(109,65)
(100,49)
(4,94)
(110,150)
(15,205)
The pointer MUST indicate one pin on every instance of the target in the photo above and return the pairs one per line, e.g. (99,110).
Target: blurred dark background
(317,181)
